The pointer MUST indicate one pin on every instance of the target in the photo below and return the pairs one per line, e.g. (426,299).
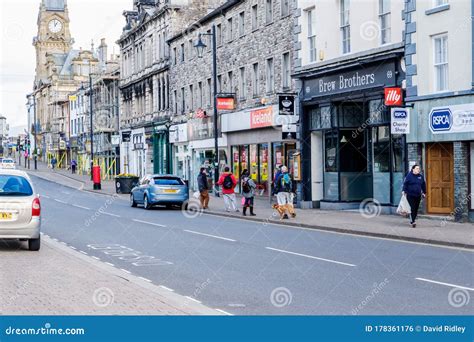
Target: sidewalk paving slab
(58,280)
(440,231)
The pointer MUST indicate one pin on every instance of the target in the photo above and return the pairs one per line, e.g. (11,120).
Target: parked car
(7,163)
(20,208)
(160,190)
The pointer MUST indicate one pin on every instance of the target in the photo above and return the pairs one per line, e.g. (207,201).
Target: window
(219,34)
(285,7)
(175,101)
(441,62)
(182,53)
(230,79)
(286,71)
(268,11)
(242,24)
(200,95)
(230,29)
(243,84)
(311,35)
(191,97)
(255,80)
(191,49)
(183,101)
(345,27)
(219,83)
(384,15)
(209,91)
(440,2)
(270,85)
(175,56)
(254,17)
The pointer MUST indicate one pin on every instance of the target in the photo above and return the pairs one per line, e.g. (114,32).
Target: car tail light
(36,207)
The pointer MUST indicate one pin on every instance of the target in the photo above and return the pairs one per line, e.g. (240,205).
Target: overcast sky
(90,19)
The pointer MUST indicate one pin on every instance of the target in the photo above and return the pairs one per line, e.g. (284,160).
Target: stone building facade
(145,81)
(254,62)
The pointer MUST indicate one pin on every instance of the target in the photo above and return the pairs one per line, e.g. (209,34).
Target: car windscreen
(7,161)
(168,181)
(14,186)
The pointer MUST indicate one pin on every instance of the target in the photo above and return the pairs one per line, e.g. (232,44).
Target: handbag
(243,201)
(404,208)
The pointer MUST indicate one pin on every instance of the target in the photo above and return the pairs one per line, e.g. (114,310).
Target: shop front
(352,155)
(158,137)
(202,149)
(139,148)
(181,158)
(444,147)
(256,143)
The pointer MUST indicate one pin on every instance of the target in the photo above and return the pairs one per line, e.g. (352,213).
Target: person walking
(414,187)
(228,183)
(248,192)
(275,178)
(283,191)
(203,187)
(73,166)
(53,163)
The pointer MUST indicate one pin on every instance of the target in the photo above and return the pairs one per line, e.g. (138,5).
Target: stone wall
(462,196)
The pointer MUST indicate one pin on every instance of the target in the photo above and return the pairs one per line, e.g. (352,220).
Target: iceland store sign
(452,119)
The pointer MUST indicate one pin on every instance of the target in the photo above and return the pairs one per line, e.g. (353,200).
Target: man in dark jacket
(414,187)
(203,188)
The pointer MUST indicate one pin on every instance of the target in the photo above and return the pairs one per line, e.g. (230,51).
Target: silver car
(20,209)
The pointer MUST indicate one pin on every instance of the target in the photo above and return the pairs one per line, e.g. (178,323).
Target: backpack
(246,186)
(228,183)
(285,183)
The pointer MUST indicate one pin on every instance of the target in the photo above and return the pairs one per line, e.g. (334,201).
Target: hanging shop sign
(225,103)
(452,119)
(393,96)
(400,121)
(286,104)
(126,136)
(115,140)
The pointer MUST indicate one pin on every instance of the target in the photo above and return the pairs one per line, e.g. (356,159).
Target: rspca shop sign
(452,119)
(400,121)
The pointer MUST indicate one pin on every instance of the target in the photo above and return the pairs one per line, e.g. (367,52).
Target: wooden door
(440,178)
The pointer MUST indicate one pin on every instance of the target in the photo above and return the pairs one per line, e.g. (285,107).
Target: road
(249,268)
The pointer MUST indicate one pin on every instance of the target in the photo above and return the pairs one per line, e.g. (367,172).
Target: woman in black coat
(414,187)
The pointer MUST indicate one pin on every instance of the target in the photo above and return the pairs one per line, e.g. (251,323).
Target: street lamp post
(32,103)
(200,47)
(92,124)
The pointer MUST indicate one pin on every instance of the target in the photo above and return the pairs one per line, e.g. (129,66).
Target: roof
(54,5)
(67,65)
(13,172)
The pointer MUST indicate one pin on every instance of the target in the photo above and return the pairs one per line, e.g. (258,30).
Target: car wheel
(34,244)
(132,201)
(146,204)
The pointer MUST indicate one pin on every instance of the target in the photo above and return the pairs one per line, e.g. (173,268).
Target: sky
(90,19)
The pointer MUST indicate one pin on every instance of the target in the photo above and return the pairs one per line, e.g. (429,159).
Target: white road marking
(59,201)
(310,256)
(445,284)
(126,271)
(150,223)
(194,300)
(224,312)
(44,196)
(145,279)
(108,263)
(83,252)
(166,288)
(109,214)
(80,207)
(209,235)
(72,247)
(55,240)
(96,258)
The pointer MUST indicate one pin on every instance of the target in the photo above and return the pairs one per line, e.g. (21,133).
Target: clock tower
(53,35)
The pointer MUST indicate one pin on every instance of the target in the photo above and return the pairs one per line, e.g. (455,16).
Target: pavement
(366,221)
(232,265)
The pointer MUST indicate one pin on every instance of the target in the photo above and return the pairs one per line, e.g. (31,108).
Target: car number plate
(5,216)
(171,191)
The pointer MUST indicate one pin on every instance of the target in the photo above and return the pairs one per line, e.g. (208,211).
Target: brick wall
(461,181)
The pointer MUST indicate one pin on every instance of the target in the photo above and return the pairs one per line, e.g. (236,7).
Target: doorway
(440,178)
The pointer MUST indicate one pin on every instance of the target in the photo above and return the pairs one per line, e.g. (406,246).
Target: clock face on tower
(55,26)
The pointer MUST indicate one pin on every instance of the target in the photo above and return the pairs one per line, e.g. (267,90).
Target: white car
(20,209)
(7,163)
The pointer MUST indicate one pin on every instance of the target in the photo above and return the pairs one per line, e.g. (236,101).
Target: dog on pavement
(285,210)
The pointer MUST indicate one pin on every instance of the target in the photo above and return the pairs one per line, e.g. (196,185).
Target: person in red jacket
(228,183)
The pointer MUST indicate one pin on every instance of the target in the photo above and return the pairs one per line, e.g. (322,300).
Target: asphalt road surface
(244,267)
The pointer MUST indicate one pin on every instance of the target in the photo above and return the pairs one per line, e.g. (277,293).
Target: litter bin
(124,185)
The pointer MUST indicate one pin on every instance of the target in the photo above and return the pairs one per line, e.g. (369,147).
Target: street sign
(225,103)
(72,98)
(286,104)
(126,136)
(115,140)
(400,121)
(393,96)
(441,120)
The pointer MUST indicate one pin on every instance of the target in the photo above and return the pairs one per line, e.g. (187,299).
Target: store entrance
(440,178)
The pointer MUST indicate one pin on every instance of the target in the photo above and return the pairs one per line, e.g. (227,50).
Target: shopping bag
(197,194)
(404,208)
(243,201)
